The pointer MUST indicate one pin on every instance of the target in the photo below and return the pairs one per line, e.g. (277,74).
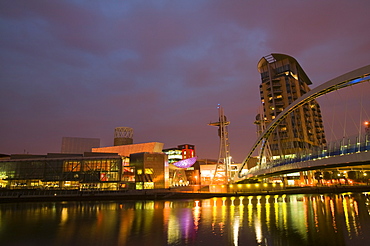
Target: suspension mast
(222,173)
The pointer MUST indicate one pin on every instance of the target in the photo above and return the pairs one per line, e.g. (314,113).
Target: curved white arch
(351,78)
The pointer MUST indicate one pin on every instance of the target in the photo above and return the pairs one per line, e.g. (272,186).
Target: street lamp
(367,127)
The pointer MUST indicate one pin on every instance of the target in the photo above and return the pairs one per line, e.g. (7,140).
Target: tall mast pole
(222,173)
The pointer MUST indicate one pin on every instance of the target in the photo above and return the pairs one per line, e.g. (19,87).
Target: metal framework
(123,132)
(223,168)
(354,77)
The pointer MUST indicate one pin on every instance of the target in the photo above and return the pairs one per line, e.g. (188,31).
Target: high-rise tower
(283,81)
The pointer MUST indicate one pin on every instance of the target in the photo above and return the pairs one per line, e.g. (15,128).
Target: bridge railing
(346,146)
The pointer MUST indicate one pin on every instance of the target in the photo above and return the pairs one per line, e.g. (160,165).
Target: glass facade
(151,170)
(78,173)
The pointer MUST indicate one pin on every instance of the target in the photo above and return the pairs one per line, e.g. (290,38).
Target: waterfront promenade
(159,194)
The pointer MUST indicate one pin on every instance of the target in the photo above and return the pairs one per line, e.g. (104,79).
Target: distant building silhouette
(72,145)
(283,81)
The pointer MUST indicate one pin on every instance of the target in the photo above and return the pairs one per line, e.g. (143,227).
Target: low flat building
(62,171)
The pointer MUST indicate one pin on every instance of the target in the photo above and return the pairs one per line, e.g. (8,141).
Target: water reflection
(254,220)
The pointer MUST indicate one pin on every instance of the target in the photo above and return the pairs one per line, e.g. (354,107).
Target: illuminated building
(62,171)
(283,81)
(152,176)
(127,150)
(187,151)
(104,168)
(174,155)
(123,144)
(84,165)
(208,168)
(129,176)
(182,175)
(151,170)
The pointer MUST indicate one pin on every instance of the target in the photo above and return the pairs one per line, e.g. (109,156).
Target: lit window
(148,170)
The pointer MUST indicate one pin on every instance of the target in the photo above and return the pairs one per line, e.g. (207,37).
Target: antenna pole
(222,173)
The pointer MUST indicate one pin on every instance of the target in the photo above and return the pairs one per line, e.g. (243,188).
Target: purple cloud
(82,68)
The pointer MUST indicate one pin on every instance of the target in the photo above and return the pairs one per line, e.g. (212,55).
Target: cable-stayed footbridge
(349,151)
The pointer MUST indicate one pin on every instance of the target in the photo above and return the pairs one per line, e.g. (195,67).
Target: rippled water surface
(251,220)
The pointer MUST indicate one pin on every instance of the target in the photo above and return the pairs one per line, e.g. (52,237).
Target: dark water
(255,220)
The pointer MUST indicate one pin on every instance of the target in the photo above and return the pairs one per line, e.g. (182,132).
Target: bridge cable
(363,111)
(333,136)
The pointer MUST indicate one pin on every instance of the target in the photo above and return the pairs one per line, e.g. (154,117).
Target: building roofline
(274,57)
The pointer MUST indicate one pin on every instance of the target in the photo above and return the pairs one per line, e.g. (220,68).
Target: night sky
(81,68)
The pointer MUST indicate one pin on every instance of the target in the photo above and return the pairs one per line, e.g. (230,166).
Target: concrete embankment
(7,196)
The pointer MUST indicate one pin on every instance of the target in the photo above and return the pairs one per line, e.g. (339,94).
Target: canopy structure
(186,163)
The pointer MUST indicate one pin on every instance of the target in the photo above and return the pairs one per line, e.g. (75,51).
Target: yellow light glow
(224,201)
(232,201)
(241,198)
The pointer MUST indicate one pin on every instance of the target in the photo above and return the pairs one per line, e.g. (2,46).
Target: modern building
(127,150)
(62,171)
(208,169)
(283,81)
(96,168)
(182,152)
(91,170)
(151,170)
(179,174)
(73,145)
(187,151)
